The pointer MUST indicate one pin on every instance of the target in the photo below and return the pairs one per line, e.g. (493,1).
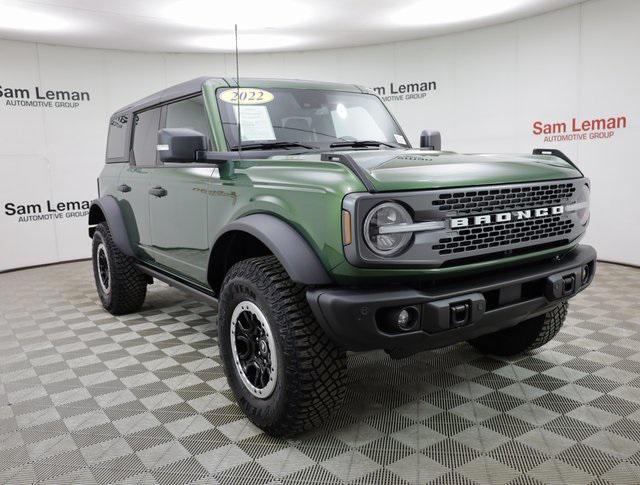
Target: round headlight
(386,244)
(583,199)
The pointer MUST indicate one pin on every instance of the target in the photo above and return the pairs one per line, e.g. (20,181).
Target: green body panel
(178,220)
(178,231)
(109,178)
(201,202)
(135,205)
(308,195)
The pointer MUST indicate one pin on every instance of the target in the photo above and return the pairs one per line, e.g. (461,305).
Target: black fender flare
(292,250)
(108,206)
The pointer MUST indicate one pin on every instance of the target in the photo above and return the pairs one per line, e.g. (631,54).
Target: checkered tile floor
(86,397)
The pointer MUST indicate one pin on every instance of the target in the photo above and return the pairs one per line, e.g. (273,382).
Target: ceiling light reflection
(248,14)
(247,42)
(20,18)
(438,12)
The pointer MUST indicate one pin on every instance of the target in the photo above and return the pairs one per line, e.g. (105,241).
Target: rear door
(135,181)
(179,209)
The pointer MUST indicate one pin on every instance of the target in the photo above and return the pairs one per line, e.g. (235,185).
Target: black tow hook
(459,314)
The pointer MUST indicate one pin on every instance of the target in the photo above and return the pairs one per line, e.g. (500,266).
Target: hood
(416,169)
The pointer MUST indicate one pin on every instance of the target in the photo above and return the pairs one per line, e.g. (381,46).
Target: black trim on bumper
(452,312)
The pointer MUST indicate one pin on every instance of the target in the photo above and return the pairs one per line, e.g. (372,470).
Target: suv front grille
(503,238)
(504,199)
(504,234)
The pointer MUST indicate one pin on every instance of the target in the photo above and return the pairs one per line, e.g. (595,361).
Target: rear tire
(527,335)
(286,374)
(121,287)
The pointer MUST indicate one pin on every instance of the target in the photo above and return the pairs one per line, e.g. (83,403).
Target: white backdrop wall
(491,86)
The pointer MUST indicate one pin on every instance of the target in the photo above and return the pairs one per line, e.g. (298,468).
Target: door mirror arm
(216,158)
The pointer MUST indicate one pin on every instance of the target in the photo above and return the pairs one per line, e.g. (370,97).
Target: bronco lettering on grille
(458,222)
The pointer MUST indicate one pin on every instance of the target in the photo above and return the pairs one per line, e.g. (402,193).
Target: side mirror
(179,145)
(430,140)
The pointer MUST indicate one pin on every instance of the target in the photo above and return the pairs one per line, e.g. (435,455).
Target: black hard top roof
(195,86)
(172,92)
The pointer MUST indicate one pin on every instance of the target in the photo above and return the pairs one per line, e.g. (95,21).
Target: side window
(145,137)
(189,113)
(117,137)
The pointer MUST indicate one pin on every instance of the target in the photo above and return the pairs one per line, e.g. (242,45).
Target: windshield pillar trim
(350,163)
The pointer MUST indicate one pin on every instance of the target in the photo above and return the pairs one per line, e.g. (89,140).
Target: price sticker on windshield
(246,96)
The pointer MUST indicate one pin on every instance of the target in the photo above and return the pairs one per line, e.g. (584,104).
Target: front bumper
(449,312)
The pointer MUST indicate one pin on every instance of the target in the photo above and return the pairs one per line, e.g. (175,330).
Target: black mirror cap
(430,140)
(179,145)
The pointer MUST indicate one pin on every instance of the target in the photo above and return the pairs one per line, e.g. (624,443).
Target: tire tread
(128,284)
(316,365)
(525,336)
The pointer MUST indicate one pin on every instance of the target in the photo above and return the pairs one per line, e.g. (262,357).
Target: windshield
(305,118)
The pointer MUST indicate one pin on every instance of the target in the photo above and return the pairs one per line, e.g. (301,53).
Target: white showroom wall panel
(132,75)
(548,69)
(491,85)
(369,66)
(75,150)
(22,130)
(548,75)
(608,86)
(430,63)
(182,67)
(25,169)
(484,93)
(26,244)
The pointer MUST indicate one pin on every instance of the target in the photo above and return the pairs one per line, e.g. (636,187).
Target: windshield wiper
(271,145)
(362,143)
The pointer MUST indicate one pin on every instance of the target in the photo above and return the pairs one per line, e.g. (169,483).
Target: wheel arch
(261,235)
(106,209)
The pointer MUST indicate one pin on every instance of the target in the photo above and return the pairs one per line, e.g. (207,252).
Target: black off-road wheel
(525,336)
(286,374)
(121,287)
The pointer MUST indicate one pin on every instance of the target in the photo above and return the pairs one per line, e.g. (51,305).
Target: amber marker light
(346,227)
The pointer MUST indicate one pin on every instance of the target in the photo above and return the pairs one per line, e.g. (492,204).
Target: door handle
(124,188)
(158,191)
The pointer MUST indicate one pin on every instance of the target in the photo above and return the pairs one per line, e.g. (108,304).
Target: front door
(135,181)
(178,204)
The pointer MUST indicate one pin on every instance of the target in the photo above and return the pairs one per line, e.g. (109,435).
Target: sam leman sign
(38,97)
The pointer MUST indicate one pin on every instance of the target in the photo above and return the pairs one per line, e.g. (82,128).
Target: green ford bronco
(301,209)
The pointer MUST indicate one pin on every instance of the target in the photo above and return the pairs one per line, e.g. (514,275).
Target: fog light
(404,318)
(399,319)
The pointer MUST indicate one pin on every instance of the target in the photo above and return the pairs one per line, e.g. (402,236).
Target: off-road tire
(127,286)
(525,336)
(311,368)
